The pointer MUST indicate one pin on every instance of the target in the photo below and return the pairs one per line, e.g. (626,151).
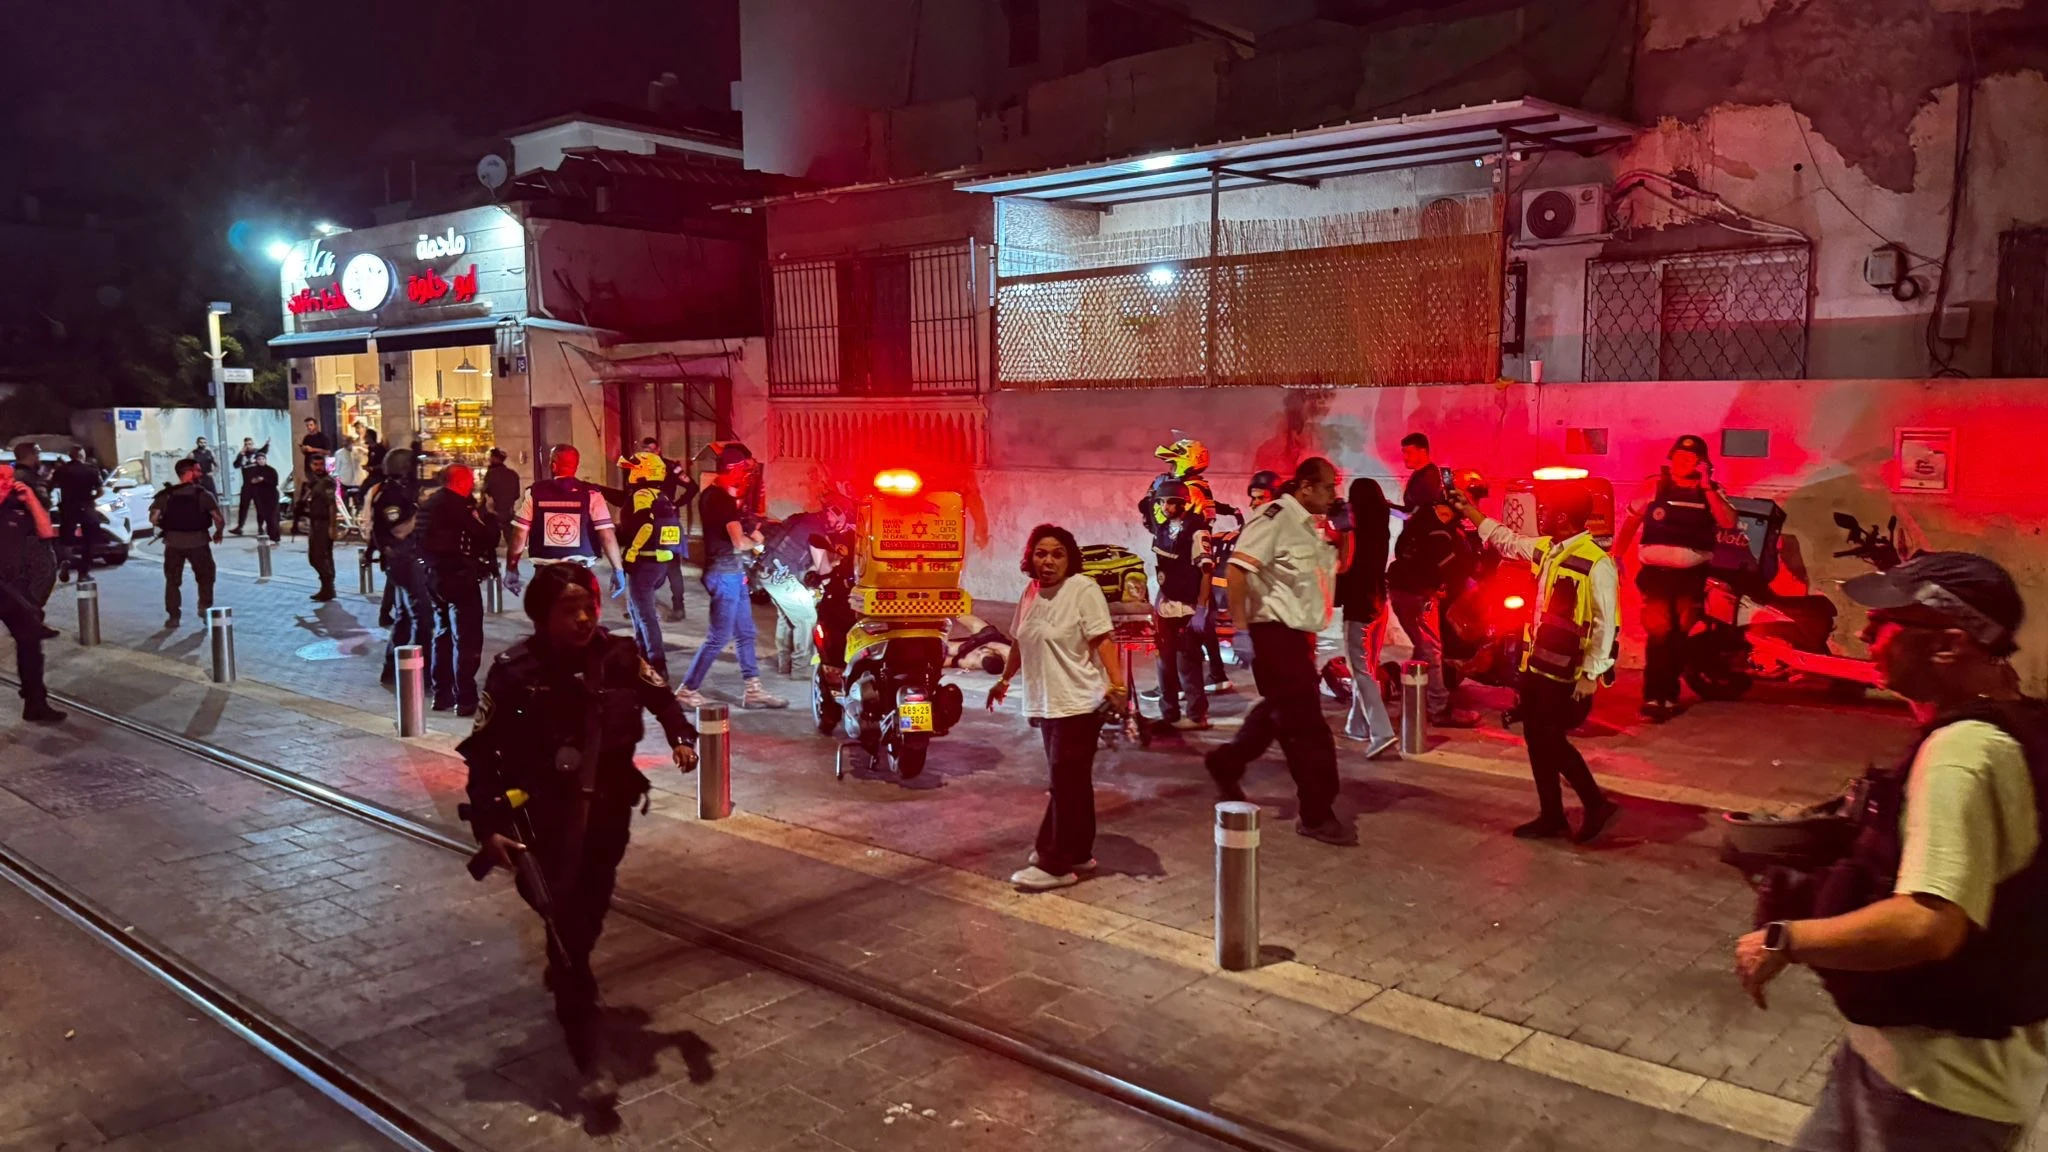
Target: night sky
(94,91)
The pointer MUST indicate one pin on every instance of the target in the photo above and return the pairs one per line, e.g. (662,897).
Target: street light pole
(214,312)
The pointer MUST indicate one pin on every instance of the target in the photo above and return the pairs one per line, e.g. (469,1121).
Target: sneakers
(1331,831)
(690,698)
(1149,695)
(1086,867)
(1384,749)
(1036,879)
(1222,687)
(1191,723)
(759,697)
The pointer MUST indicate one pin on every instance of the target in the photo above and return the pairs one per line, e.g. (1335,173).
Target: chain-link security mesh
(1738,315)
(1394,297)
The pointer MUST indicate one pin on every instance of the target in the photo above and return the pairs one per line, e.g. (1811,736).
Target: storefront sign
(327,299)
(435,247)
(366,282)
(430,286)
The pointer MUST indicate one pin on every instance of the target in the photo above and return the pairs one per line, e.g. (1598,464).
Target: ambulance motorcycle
(876,677)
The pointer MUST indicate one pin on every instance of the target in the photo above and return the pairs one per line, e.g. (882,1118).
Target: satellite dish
(491,171)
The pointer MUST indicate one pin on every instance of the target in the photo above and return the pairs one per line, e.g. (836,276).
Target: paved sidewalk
(1441,929)
(95,1054)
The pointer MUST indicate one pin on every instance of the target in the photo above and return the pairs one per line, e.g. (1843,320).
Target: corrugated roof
(1316,154)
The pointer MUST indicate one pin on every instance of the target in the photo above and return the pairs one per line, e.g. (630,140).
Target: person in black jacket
(24,523)
(1430,555)
(189,521)
(459,542)
(247,460)
(1181,557)
(78,485)
(1362,594)
(557,726)
(259,486)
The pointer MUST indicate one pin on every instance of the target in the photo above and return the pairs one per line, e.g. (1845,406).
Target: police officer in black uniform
(552,786)
(189,521)
(1681,513)
(459,542)
(24,526)
(394,514)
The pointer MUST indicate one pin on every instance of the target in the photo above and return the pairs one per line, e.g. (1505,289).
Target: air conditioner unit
(1561,215)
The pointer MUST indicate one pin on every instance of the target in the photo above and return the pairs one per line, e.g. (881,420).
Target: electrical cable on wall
(1941,353)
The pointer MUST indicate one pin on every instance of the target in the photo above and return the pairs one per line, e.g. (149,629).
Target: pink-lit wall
(1083,458)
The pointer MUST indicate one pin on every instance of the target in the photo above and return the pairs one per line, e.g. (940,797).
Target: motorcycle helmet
(1267,481)
(644,468)
(1184,455)
(1809,838)
(1171,490)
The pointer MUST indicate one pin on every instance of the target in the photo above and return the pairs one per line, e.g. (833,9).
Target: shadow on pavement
(1123,856)
(545,1080)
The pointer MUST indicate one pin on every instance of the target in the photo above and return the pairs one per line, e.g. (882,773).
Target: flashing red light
(898,482)
(1560,472)
(1514,603)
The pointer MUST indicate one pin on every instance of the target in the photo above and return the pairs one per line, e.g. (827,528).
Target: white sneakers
(690,698)
(759,697)
(1036,879)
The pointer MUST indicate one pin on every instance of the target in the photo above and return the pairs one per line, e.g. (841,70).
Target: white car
(127,498)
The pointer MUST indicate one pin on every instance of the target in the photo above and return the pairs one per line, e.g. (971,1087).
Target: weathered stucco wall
(1083,458)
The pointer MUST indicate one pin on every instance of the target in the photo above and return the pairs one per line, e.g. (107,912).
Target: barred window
(883,324)
(1737,315)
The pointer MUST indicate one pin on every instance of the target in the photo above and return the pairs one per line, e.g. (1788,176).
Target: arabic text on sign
(451,243)
(429,286)
(328,299)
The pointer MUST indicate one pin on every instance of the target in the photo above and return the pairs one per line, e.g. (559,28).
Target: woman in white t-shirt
(1068,658)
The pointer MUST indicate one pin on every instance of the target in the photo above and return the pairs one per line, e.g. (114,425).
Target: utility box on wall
(1923,460)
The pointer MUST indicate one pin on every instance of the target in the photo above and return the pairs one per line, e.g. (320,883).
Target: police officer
(552,784)
(459,542)
(654,538)
(394,515)
(321,504)
(24,525)
(189,521)
(1282,574)
(78,485)
(1681,513)
(1568,648)
(574,523)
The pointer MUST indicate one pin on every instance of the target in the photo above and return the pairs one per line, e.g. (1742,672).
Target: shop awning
(448,334)
(333,342)
(1316,154)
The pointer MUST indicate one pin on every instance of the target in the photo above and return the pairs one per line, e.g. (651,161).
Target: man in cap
(1931,935)
(732,543)
(1681,513)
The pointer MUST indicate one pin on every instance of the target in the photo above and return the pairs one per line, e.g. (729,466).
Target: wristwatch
(1778,938)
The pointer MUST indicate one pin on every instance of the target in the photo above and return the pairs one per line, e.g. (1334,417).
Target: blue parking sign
(130,418)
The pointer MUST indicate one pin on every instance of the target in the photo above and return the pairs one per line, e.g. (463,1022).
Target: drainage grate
(75,787)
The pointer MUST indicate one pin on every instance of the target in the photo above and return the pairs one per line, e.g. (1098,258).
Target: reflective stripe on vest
(1679,517)
(1563,618)
(560,525)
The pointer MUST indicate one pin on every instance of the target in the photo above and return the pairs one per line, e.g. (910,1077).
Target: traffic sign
(238,375)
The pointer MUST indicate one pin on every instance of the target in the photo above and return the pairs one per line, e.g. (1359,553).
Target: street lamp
(277,250)
(214,312)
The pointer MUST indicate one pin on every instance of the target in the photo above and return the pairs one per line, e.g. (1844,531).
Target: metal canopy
(1316,154)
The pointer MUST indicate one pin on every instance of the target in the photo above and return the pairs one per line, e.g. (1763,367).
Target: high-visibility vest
(1555,637)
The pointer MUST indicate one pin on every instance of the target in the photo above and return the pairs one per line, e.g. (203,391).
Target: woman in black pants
(1068,657)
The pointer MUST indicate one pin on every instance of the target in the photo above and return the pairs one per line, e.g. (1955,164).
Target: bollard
(220,634)
(88,612)
(366,576)
(411,661)
(1414,708)
(262,558)
(714,762)
(1237,885)
(494,595)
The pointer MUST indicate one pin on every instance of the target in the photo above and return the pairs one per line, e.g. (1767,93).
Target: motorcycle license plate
(914,717)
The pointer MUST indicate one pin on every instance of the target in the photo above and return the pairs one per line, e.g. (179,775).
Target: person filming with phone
(1681,513)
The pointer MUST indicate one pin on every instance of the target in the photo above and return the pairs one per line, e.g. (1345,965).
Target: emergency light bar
(898,482)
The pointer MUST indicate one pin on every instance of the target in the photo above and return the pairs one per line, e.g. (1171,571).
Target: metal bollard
(262,558)
(1237,885)
(1414,708)
(88,612)
(714,762)
(220,635)
(494,595)
(366,575)
(411,661)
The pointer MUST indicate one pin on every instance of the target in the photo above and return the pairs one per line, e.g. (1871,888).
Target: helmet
(644,468)
(1811,837)
(1186,456)
(1171,490)
(1263,481)
(1470,482)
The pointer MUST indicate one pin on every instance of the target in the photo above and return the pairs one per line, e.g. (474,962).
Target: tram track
(1226,1130)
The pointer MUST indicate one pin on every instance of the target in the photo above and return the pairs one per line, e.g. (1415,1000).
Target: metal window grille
(883,324)
(1737,315)
(2020,324)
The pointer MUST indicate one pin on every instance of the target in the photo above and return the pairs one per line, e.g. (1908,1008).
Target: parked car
(128,490)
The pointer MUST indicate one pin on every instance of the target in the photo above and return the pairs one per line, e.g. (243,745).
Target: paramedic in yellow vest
(1568,647)
(653,537)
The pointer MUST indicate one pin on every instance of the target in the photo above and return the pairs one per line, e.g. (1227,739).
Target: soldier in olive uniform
(552,785)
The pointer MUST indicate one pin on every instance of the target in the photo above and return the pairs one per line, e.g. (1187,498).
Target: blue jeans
(1859,1111)
(732,619)
(644,578)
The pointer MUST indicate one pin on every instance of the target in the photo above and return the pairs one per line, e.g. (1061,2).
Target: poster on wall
(1923,460)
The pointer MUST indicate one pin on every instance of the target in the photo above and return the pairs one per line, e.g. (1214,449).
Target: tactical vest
(1556,635)
(185,509)
(393,512)
(1993,983)
(1679,517)
(655,530)
(561,528)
